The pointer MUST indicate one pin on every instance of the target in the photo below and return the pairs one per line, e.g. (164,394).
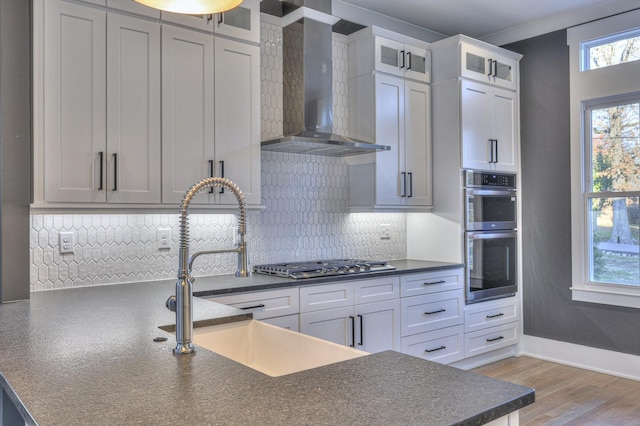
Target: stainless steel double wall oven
(490,235)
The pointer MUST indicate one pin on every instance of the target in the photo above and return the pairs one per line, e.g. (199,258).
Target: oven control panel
(477,179)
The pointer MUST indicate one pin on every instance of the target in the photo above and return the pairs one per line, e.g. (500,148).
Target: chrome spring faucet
(182,301)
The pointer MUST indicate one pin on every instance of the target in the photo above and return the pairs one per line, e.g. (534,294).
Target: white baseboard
(600,360)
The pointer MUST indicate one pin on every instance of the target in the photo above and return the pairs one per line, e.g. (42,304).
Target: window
(612,50)
(605,160)
(612,137)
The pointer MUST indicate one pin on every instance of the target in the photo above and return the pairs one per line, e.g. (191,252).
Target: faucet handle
(171,303)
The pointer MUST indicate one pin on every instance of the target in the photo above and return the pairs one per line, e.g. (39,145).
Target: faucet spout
(184,286)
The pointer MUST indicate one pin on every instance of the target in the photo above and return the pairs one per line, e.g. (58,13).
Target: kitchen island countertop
(88,356)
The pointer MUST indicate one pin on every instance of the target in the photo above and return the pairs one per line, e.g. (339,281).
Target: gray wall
(548,309)
(15,148)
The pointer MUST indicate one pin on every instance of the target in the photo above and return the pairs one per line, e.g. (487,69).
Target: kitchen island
(90,356)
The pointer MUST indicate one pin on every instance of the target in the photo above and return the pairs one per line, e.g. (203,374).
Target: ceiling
(475,18)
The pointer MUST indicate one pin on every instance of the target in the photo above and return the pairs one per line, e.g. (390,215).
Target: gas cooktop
(322,268)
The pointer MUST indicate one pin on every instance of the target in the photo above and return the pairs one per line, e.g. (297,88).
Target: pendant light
(192,7)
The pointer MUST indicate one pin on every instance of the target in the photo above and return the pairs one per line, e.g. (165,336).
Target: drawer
(264,304)
(487,340)
(329,296)
(489,314)
(431,282)
(376,290)
(431,311)
(290,322)
(443,346)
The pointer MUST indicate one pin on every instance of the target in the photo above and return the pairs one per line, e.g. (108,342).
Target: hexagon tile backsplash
(305,218)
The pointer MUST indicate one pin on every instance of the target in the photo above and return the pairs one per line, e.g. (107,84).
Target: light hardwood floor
(569,396)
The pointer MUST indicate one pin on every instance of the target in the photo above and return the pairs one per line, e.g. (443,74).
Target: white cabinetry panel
(444,345)
(264,304)
(431,311)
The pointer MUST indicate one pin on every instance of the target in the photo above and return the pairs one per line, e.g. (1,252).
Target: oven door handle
(498,192)
(490,235)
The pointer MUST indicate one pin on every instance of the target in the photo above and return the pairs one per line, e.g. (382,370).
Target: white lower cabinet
(432,315)
(266,305)
(491,325)
(334,312)
(445,345)
(290,322)
(490,339)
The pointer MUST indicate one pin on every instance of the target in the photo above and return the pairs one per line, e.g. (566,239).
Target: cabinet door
(237,118)
(335,325)
(390,130)
(389,56)
(417,63)
(134,7)
(418,144)
(241,22)
(133,110)
(187,111)
(504,129)
(488,66)
(378,326)
(475,108)
(74,103)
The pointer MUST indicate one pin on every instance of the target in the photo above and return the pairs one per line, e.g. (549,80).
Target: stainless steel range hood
(307,92)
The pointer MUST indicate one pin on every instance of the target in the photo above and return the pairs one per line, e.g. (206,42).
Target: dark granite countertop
(87,356)
(225,284)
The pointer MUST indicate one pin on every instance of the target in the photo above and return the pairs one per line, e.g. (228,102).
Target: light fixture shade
(192,7)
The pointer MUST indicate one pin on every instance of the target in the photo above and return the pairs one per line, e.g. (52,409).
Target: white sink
(272,350)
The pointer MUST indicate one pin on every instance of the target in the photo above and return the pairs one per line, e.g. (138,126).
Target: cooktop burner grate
(321,268)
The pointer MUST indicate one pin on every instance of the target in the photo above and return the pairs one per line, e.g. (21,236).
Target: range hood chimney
(308,89)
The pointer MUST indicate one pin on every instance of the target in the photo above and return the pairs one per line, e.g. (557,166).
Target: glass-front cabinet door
(486,66)
(242,22)
(402,59)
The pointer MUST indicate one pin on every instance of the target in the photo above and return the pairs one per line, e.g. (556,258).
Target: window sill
(606,297)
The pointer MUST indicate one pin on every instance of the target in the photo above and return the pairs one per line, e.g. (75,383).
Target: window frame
(586,46)
(588,87)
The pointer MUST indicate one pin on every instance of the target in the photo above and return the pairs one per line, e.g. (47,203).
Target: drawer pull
(495,338)
(435,312)
(353,331)
(246,308)
(495,316)
(435,282)
(435,349)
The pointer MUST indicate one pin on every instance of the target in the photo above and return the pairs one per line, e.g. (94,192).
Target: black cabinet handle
(490,73)
(402,56)
(115,171)
(495,68)
(353,331)
(410,174)
(221,175)
(490,151)
(435,349)
(496,145)
(211,174)
(409,60)
(495,338)
(434,282)
(404,184)
(220,18)
(495,316)
(100,181)
(435,312)
(246,308)
(209,17)
(361,342)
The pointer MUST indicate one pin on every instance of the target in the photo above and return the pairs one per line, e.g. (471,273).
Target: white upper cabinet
(400,178)
(242,22)
(402,59)
(187,113)
(133,110)
(101,111)
(488,118)
(375,49)
(210,115)
(488,66)
(133,7)
(237,117)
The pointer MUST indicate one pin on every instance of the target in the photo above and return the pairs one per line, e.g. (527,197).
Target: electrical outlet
(164,238)
(385,233)
(66,241)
